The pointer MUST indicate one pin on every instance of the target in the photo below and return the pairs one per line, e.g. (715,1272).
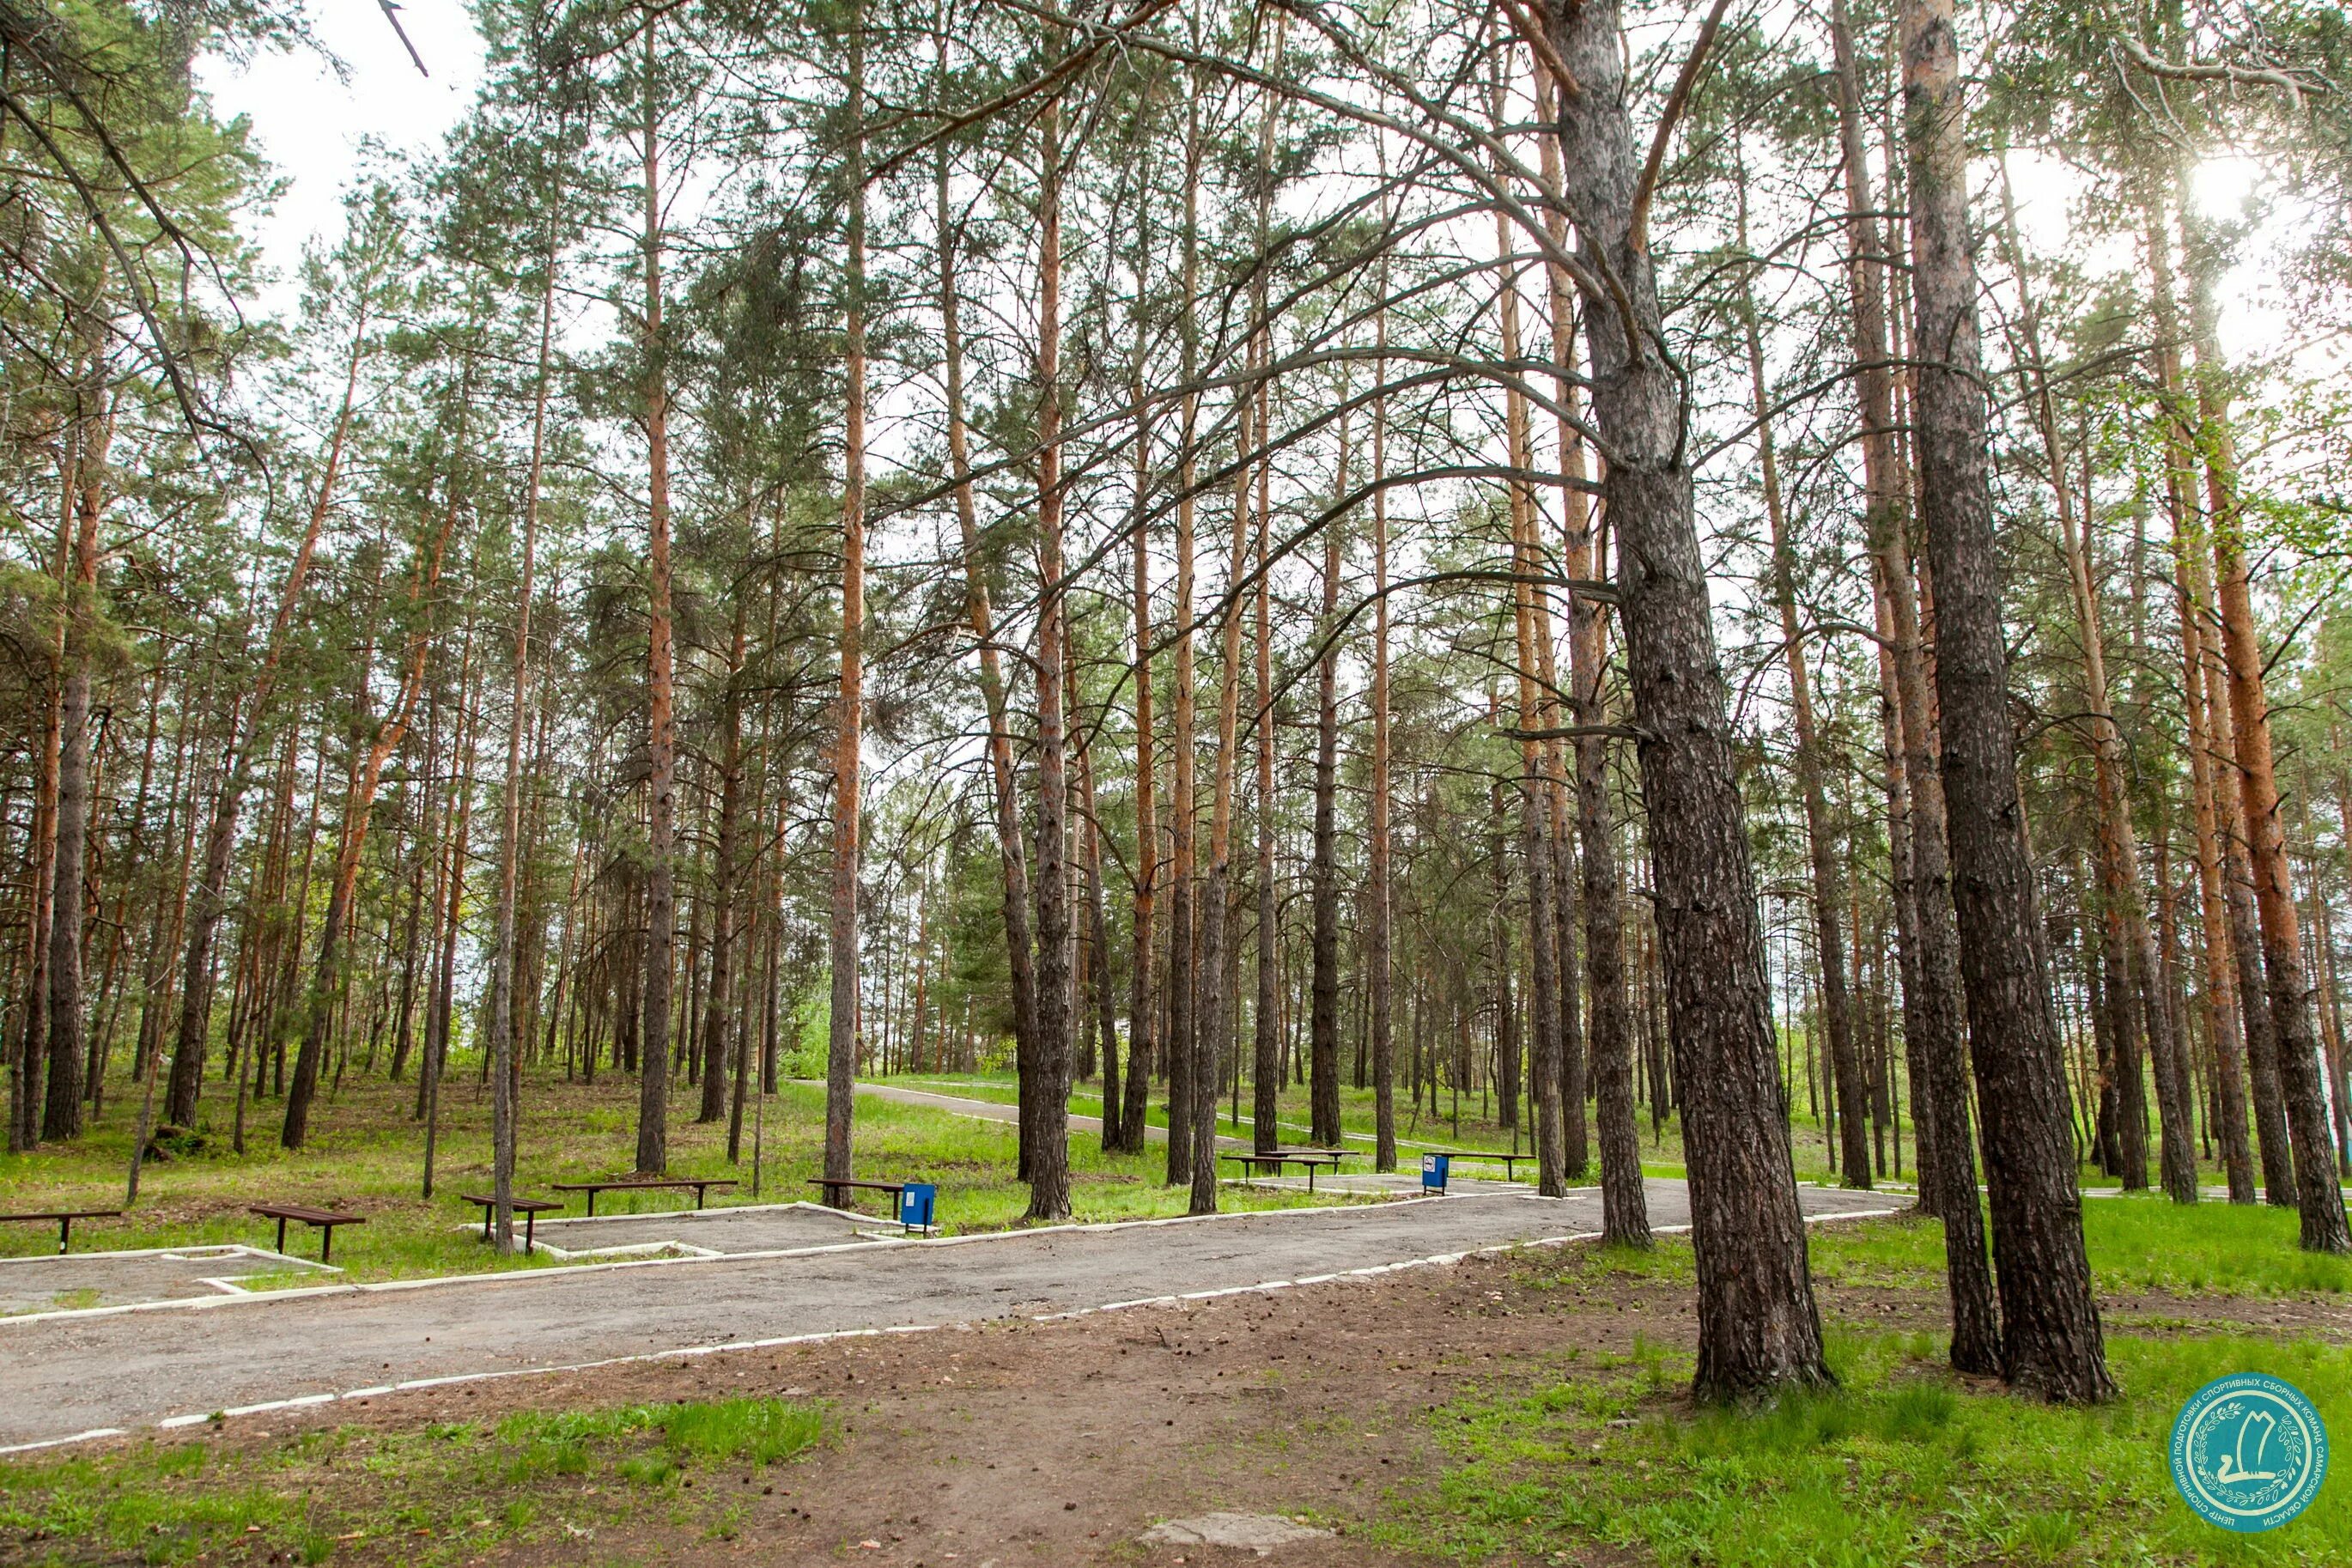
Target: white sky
(309,124)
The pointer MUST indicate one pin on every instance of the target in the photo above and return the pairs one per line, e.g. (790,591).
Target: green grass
(1902,1464)
(2138,1243)
(365,1156)
(539,1480)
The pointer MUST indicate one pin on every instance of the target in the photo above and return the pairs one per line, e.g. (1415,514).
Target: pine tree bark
(1758,1327)
(1265,1015)
(505,1009)
(1185,1043)
(1323,1028)
(2051,1345)
(2217,997)
(1379,952)
(1049,1132)
(1211,1051)
(1609,1039)
(1143,1004)
(1012,854)
(840,1038)
(1537,714)
(2319,1199)
(661,731)
(718,1018)
(94,435)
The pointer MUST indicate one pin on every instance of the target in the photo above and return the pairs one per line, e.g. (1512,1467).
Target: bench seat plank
(64,1219)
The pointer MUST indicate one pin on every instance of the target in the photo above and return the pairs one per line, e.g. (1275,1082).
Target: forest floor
(1526,1408)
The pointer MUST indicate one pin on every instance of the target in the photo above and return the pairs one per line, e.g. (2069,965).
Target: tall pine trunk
(841,1039)
(661,731)
(2292,1024)
(1609,1039)
(1049,1097)
(2051,1344)
(1758,1326)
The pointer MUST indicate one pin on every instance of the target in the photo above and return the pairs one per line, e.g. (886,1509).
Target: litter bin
(1433,1170)
(916,1201)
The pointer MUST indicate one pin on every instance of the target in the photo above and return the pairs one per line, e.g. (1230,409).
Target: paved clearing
(61,1376)
(746,1227)
(113,1278)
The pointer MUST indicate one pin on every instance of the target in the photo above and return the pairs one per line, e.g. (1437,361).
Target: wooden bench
(832,1189)
(65,1218)
(1310,1160)
(1510,1161)
(529,1208)
(700,1186)
(323,1220)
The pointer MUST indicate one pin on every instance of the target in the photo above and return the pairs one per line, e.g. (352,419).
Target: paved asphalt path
(80,1373)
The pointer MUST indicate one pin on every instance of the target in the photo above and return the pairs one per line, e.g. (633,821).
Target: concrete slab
(81,1279)
(750,1228)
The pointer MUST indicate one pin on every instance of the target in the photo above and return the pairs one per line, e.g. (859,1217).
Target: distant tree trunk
(366,775)
(78,572)
(719,1013)
(1125,1133)
(661,783)
(2246,937)
(1186,1037)
(1049,1150)
(211,894)
(1323,1030)
(2320,1198)
(2053,1345)
(2139,997)
(1609,1041)
(441,1025)
(1758,1326)
(841,1041)
(1536,713)
(1216,899)
(1266,1014)
(1378,940)
(1012,854)
(505,1008)
(1122,1129)
(1105,1027)
(1821,833)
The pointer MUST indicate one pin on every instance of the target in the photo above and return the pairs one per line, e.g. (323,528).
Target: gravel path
(79,1374)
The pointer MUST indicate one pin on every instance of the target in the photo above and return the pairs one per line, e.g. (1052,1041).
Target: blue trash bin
(916,1202)
(1435,1169)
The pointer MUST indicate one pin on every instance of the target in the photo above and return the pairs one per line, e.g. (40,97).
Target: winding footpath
(64,1376)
